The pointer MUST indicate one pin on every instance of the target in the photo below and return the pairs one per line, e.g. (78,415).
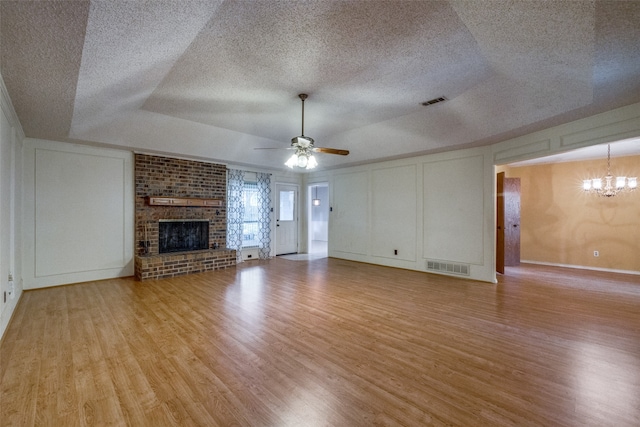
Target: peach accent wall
(561,224)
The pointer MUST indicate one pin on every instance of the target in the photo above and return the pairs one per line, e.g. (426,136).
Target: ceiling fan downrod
(302,96)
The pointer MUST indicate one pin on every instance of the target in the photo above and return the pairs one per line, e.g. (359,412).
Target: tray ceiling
(215,79)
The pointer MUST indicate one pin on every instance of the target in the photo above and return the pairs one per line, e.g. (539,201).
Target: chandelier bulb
(312,163)
(293,161)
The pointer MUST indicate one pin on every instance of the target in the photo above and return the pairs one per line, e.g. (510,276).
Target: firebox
(183,235)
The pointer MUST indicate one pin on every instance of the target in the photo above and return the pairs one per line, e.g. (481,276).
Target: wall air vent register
(448,267)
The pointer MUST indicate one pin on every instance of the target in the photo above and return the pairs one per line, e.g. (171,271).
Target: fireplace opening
(183,235)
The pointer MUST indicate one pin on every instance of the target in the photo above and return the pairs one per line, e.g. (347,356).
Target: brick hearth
(179,263)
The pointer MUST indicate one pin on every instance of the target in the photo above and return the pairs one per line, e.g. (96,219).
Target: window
(249,212)
(251,224)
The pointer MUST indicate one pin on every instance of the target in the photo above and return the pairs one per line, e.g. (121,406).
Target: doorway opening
(318,218)
(561,225)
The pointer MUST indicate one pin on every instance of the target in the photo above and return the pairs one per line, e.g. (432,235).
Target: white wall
(403,213)
(11,136)
(442,207)
(79,213)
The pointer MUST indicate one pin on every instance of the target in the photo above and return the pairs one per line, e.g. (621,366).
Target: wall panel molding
(78,204)
(530,149)
(602,134)
(611,126)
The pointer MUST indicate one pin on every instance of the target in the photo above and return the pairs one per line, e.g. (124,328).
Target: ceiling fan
(303,156)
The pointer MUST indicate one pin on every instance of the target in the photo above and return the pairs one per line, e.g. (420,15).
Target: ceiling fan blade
(331,151)
(274,148)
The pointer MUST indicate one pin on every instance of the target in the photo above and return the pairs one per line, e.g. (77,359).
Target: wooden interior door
(508,222)
(500,223)
(511,222)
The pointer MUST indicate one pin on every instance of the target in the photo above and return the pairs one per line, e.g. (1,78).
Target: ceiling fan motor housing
(301,141)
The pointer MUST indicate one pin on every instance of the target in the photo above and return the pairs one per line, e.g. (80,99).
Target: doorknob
(515,225)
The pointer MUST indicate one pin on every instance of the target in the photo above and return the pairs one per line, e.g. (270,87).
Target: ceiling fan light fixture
(302,160)
(303,157)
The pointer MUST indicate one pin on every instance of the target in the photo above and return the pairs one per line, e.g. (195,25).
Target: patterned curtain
(264,209)
(235,211)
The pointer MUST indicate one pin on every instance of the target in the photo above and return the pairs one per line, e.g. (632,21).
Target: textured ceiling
(216,79)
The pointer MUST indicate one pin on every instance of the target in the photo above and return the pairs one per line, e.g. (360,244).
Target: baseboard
(8,316)
(581,267)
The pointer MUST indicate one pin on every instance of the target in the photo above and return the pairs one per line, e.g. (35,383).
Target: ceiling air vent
(434,101)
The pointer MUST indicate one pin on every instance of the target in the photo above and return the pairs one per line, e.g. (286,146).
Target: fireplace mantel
(182,201)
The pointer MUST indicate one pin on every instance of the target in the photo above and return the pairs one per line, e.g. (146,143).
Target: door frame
(500,222)
(278,185)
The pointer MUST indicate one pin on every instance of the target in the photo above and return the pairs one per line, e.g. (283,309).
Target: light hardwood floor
(327,343)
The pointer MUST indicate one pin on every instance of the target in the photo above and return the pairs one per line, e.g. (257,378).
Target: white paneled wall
(615,125)
(11,136)
(403,213)
(349,227)
(454,211)
(453,197)
(394,212)
(79,213)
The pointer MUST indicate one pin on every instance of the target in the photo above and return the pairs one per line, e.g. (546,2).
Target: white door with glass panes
(286,219)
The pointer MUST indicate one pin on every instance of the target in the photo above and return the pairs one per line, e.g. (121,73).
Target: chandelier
(609,186)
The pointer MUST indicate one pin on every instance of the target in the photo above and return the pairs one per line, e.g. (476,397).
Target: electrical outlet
(596,253)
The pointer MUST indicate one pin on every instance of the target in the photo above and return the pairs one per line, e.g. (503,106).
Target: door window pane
(287,205)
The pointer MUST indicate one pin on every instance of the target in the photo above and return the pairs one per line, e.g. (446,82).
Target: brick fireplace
(183,180)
